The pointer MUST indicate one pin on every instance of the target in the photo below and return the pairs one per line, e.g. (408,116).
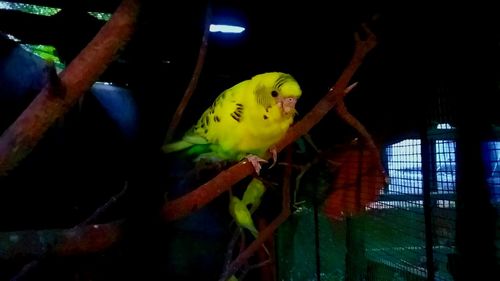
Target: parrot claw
(275,156)
(255,160)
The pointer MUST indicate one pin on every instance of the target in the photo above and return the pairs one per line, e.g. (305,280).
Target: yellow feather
(241,215)
(253,194)
(247,118)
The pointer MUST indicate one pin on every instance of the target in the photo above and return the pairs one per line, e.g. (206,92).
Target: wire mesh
(493,180)
(397,238)
(443,183)
(398,213)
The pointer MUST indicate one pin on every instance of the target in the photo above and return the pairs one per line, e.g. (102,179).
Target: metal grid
(410,231)
(404,163)
(493,171)
(398,238)
(395,237)
(493,180)
(444,166)
(442,203)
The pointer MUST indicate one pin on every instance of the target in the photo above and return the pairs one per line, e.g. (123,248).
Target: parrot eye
(274,93)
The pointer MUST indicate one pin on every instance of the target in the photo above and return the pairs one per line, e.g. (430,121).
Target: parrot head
(277,88)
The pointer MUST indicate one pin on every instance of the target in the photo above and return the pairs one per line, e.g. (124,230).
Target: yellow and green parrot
(241,215)
(239,209)
(244,121)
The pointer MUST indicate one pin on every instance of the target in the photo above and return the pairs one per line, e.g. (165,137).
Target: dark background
(424,51)
(423,48)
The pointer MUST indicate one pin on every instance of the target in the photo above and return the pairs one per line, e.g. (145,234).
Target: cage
(390,170)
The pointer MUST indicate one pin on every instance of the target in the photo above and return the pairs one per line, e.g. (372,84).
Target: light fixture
(225,28)
(227,19)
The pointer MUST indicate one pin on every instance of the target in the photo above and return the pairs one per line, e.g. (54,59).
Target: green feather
(176,146)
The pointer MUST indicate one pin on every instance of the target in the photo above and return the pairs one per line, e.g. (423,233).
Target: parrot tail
(254,232)
(176,146)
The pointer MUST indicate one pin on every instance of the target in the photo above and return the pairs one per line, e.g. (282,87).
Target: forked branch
(205,193)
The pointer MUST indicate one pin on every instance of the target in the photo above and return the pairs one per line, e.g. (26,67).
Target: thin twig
(194,80)
(345,115)
(104,207)
(230,247)
(303,171)
(247,268)
(27,268)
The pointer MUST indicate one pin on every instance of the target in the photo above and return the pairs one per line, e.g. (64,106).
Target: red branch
(22,136)
(205,193)
(61,242)
(70,244)
(89,239)
(342,111)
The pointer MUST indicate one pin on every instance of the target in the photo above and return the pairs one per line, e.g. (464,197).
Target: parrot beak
(288,105)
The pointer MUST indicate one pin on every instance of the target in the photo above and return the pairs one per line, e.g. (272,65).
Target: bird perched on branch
(245,121)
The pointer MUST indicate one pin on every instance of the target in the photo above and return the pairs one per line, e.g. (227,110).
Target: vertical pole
(428,203)
(475,226)
(355,241)
(355,261)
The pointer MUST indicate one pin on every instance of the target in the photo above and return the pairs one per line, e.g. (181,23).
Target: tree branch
(194,80)
(343,113)
(102,209)
(267,232)
(81,226)
(61,242)
(196,199)
(22,136)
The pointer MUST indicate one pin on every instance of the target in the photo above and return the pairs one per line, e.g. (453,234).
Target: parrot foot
(255,160)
